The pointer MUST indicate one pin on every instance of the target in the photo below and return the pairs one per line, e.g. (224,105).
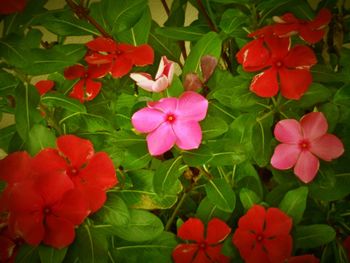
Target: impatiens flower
(311,31)
(162,80)
(303,259)
(286,67)
(263,236)
(44,86)
(86,88)
(346,244)
(171,121)
(203,248)
(13,6)
(118,56)
(302,143)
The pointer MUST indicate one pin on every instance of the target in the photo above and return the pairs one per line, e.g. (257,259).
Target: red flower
(346,245)
(120,57)
(204,250)
(263,236)
(12,6)
(303,259)
(8,242)
(92,173)
(44,86)
(86,88)
(287,67)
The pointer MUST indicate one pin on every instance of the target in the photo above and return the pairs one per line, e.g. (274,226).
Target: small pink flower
(171,121)
(162,80)
(302,143)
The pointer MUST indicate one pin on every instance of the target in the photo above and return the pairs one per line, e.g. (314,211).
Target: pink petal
(160,84)
(143,80)
(265,84)
(166,105)
(288,131)
(306,167)
(208,65)
(285,156)
(188,134)
(314,125)
(161,139)
(294,82)
(192,229)
(192,106)
(300,57)
(162,63)
(147,119)
(217,231)
(327,147)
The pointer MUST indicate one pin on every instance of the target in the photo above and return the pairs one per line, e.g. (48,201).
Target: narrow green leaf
(294,203)
(231,21)
(56,99)
(27,254)
(207,210)
(51,255)
(213,127)
(248,198)
(220,193)
(190,33)
(312,236)
(198,156)
(40,137)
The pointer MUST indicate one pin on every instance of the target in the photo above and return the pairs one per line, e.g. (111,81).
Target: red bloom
(263,235)
(204,250)
(86,88)
(303,259)
(120,57)
(346,245)
(8,243)
(92,173)
(12,6)
(287,67)
(44,86)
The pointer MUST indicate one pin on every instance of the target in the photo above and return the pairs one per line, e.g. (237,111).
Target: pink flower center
(202,245)
(170,118)
(304,145)
(279,64)
(259,237)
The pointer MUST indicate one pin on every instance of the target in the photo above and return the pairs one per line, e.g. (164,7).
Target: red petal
(73,207)
(15,167)
(303,259)
(294,83)
(102,44)
(284,30)
(314,125)
(183,253)
(322,19)
(265,84)
(100,171)
(311,36)
(121,67)
(301,57)
(74,72)
(192,229)
(59,232)
(44,86)
(192,82)
(98,70)
(25,198)
(217,231)
(9,7)
(277,223)
(94,196)
(48,160)
(76,149)
(264,31)
(7,247)
(288,18)
(30,227)
(215,255)
(258,255)
(245,241)
(253,56)
(141,55)
(285,156)
(278,46)
(327,147)
(92,89)
(254,220)
(279,248)
(306,167)
(201,257)
(99,59)
(78,91)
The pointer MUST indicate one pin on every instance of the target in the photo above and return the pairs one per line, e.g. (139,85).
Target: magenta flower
(171,121)
(302,143)
(162,80)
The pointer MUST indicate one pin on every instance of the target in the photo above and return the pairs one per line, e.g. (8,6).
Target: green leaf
(114,211)
(213,127)
(190,33)
(248,198)
(231,21)
(40,137)
(55,99)
(5,136)
(209,44)
(261,140)
(8,83)
(207,210)
(220,194)
(157,250)
(12,52)
(26,113)
(136,156)
(27,254)
(294,203)
(198,156)
(342,96)
(51,255)
(167,174)
(313,236)
(246,176)
(90,245)
(324,74)
(142,226)
(226,152)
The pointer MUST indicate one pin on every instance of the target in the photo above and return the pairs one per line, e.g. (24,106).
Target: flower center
(47,210)
(259,237)
(72,171)
(170,118)
(279,64)
(202,245)
(304,145)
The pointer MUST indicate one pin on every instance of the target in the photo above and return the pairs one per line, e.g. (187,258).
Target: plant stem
(173,215)
(204,12)
(82,13)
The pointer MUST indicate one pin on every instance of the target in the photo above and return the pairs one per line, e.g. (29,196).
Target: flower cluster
(105,56)
(49,194)
(284,67)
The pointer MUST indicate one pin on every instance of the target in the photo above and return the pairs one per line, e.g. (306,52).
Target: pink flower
(302,143)
(172,121)
(162,80)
